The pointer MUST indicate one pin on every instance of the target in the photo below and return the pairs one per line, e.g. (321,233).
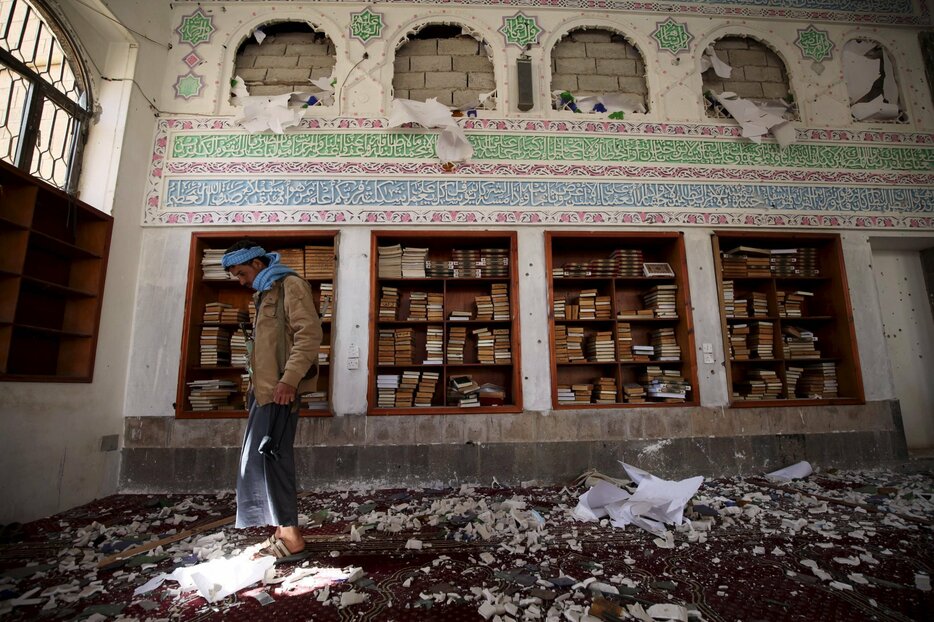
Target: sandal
(281,552)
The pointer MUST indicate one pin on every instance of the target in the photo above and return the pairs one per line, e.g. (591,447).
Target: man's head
(245,272)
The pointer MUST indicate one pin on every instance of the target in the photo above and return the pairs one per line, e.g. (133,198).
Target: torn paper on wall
(859,71)
(324,96)
(259,35)
(710,59)
(452,145)
(798,470)
(759,118)
(260,112)
(864,64)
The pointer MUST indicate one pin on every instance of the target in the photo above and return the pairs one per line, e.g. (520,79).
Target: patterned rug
(835,546)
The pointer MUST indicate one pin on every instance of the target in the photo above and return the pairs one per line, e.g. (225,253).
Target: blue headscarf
(264,278)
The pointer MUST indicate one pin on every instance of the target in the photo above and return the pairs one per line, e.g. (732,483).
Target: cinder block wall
(596,62)
(758,72)
(285,62)
(454,70)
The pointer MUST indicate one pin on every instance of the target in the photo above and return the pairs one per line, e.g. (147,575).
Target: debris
(799,470)
(452,145)
(759,118)
(710,59)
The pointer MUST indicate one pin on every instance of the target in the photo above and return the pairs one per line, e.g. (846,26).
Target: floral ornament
(195,29)
(521,30)
(814,44)
(192,60)
(188,86)
(672,36)
(366,25)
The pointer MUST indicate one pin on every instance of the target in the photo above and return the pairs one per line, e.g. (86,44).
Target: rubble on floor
(842,545)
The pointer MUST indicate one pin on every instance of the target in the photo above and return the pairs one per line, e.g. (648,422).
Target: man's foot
(282,553)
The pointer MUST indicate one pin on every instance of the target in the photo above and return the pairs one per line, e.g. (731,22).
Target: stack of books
(404,345)
(740,307)
(324,353)
(386,385)
(733,266)
(783,261)
(499,296)
(818,381)
(494,262)
(605,391)
(665,344)
(728,294)
(570,270)
(807,262)
(587,304)
(457,339)
(413,262)
(582,393)
(485,353)
(792,375)
(491,394)
(791,304)
(434,345)
(635,314)
(293,258)
(211,394)
(316,400)
(408,385)
(389,264)
(214,311)
(758,266)
(319,262)
(604,311)
(565,394)
(642,353)
(238,353)
(466,264)
(761,340)
(386,347)
(464,391)
(667,386)
(215,346)
(760,384)
(600,347)
(326,306)
(738,335)
(211,267)
(232,315)
(460,316)
(759,304)
(426,389)
(627,262)
(418,306)
(624,341)
(572,311)
(799,343)
(484,306)
(633,393)
(662,300)
(502,347)
(559,308)
(388,303)
(575,343)
(435,308)
(438,269)
(244,384)
(602,267)
(561,344)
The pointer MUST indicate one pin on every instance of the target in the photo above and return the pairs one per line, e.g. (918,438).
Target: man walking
(282,364)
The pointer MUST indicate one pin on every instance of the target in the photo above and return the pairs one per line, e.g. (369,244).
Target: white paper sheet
(592,504)
(757,119)
(795,471)
(259,35)
(710,59)
(876,109)
(889,84)
(452,145)
(217,578)
(859,72)
(260,112)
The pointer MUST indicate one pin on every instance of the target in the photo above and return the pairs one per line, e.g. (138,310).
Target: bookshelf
(619,339)
(786,318)
(205,338)
(53,260)
(444,321)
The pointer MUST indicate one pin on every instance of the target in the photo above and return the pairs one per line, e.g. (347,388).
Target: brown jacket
(298,366)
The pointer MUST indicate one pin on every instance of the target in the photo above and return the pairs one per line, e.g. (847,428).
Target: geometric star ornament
(189,85)
(366,25)
(814,44)
(672,36)
(521,30)
(196,28)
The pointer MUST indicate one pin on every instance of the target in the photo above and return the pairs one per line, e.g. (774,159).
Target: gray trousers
(265,483)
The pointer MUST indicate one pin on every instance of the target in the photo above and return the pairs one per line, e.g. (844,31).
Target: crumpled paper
(759,119)
(452,145)
(710,59)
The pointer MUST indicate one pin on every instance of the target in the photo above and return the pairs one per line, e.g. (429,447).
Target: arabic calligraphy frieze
(551,148)
(198,194)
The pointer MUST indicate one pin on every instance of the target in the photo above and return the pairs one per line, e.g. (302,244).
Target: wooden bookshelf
(813,341)
(458,294)
(583,258)
(203,291)
(53,260)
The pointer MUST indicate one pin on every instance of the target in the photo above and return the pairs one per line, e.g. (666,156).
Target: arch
(861,96)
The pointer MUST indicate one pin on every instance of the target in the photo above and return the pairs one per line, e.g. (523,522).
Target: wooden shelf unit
(53,261)
(625,294)
(201,291)
(458,294)
(827,314)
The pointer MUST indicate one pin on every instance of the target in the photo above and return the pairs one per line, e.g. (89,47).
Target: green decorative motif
(672,36)
(189,86)
(503,146)
(366,25)
(814,44)
(521,30)
(195,29)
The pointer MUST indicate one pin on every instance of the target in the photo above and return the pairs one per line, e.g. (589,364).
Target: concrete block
(383,464)
(459,46)
(591,425)
(654,425)
(400,94)
(306,434)
(774,90)
(391,430)
(591,36)
(479,64)
(633,85)
(765,452)
(749,421)
(678,422)
(252,75)
(519,427)
(269,48)
(790,449)
(147,431)
(410,80)
(743,89)
(146,469)
(732,43)
(575,65)
(616,67)
(208,433)
(453,463)
(244,62)
(276,61)
(426,429)
(316,62)
(560,462)
(430,63)
(745,58)
(476,429)
(330,465)
(418,47)
(496,460)
(452,429)
(345,430)
(563,82)
(293,37)
(761,74)
(481,81)
(710,422)
(569,49)
(442,96)
(607,50)
(597,84)
(262,89)
(295,75)
(400,64)
(307,49)
(445,79)
(468,98)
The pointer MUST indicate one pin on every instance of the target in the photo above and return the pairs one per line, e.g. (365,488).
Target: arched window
(44,100)
(283,57)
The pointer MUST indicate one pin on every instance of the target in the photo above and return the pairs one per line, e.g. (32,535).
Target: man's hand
(284,394)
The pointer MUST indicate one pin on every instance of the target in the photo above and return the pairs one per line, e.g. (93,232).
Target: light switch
(708,358)
(707,347)
(353,363)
